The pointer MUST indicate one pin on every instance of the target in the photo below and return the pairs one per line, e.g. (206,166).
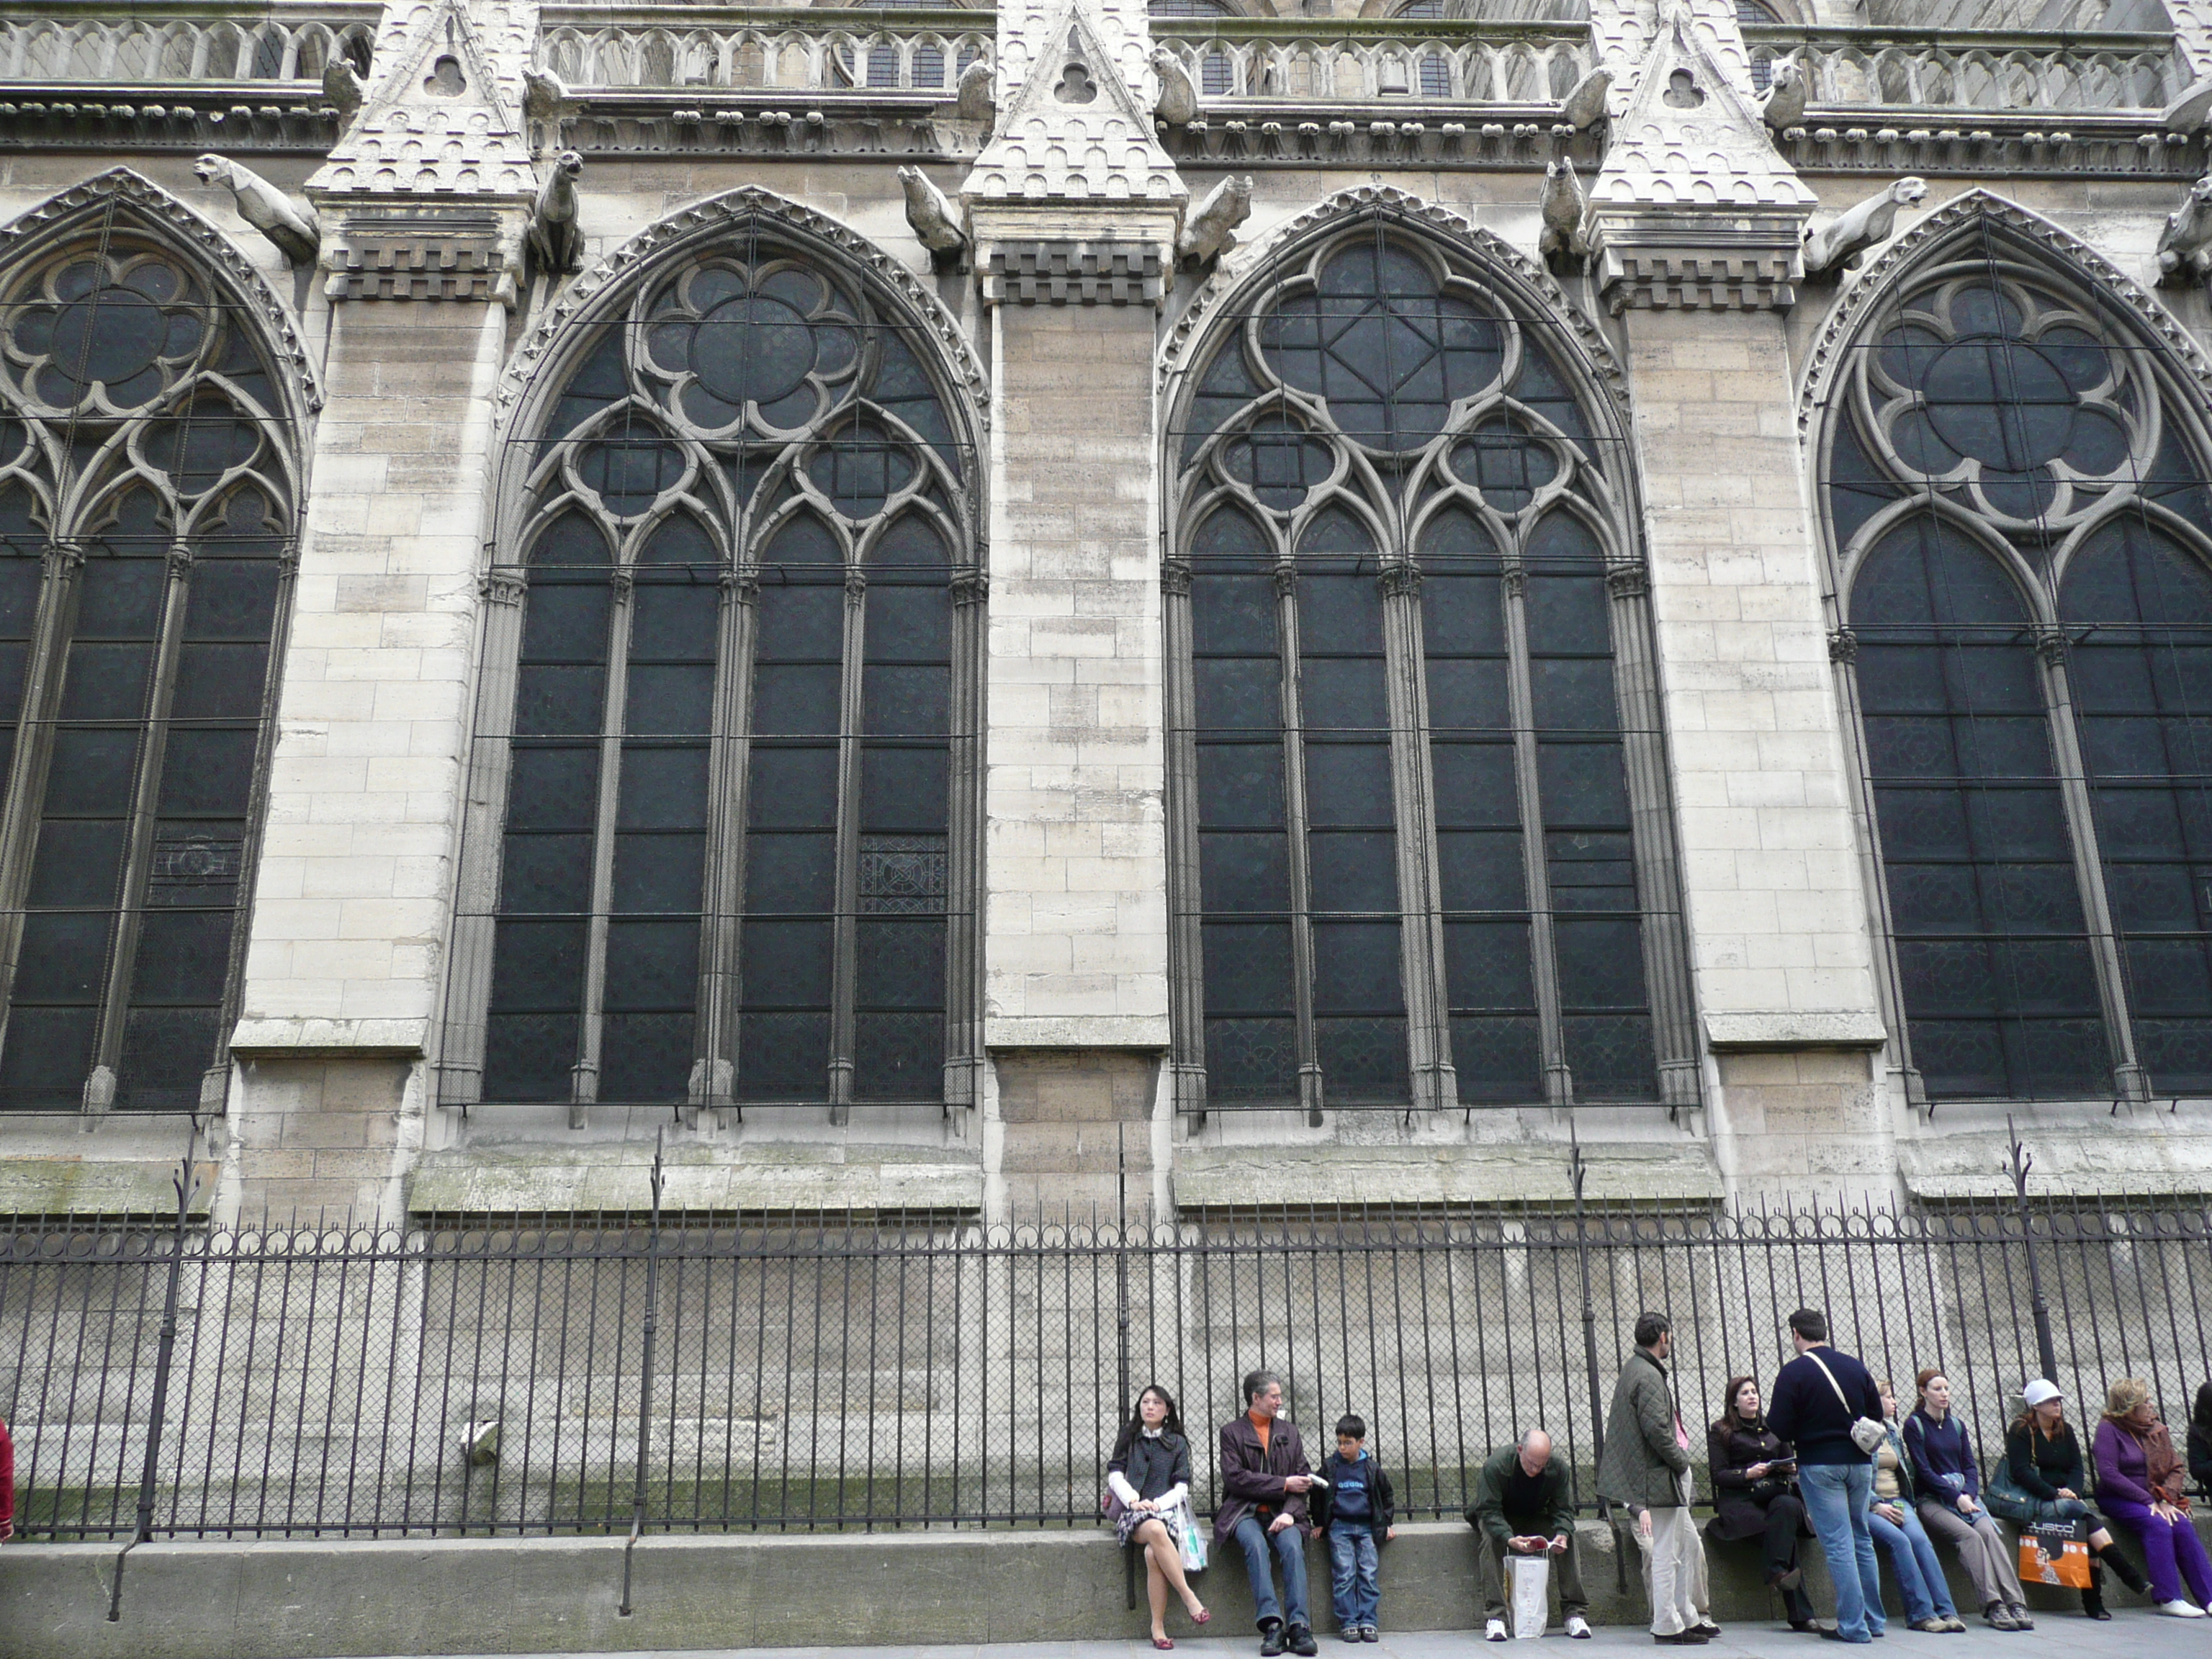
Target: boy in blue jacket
(1358,1512)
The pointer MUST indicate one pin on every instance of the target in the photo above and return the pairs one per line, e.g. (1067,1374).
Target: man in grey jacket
(1646,1470)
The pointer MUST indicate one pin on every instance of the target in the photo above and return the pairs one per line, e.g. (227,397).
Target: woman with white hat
(2046,1477)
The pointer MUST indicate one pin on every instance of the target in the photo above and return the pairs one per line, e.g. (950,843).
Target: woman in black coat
(1148,1475)
(2200,1439)
(1755,1493)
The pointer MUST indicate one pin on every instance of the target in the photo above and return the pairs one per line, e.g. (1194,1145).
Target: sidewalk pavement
(2131,1635)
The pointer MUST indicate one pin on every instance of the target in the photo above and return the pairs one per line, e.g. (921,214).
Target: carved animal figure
(1835,245)
(292,225)
(1562,205)
(1784,106)
(1584,105)
(556,241)
(545,94)
(2185,246)
(342,87)
(930,212)
(978,97)
(1210,230)
(2187,113)
(1177,104)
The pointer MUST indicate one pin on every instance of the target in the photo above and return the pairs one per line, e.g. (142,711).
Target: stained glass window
(2013,488)
(145,565)
(1402,755)
(720,873)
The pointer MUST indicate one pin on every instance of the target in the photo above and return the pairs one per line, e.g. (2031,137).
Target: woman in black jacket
(2200,1439)
(1755,1493)
(2044,1479)
(1148,1475)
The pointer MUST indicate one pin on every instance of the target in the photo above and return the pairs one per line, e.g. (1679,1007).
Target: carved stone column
(1072,210)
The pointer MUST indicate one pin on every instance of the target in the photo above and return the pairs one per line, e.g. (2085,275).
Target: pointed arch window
(1422,854)
(146,484)
(727,751)
(2014,485)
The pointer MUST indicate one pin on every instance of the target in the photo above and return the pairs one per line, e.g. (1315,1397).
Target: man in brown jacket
(1264,1477)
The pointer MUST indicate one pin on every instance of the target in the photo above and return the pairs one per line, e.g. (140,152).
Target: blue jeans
(1836,1497)
(1355,1585)
(1913,1558)
(1290,1551)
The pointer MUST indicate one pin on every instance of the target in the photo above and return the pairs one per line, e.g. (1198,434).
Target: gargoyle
(1211,229)
(1784,106)
(1562,205)
(978,97)
(1836,245)
(292,225)
(342,86)
(556,239)
(1584,105)
(931,213)
(1177,104)
(2185,246)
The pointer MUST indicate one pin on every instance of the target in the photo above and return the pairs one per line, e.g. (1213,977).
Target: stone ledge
(2078,1164)
(1147,1031)
(328,1039)
(700,1180)
(96,1186)
(906,1589)
(1246,1177)
(1809,1028)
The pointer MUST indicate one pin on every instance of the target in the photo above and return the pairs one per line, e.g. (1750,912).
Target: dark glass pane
(529,1056)
(232,599)
(551,787)
(1244,871)
(1476,784)
(1233,615)
(1251,1059)
(1363,1059)
(1481,870)
(903,789)
(182,957)
(1610,1057)
(797,699)
(1497,1057)
(205,771)
(1343,694)
(559,700)
(1348,785)
(651,964)
(565,621)
(1471,694)
(898,1056)
(1239,694)
(1240,783)
(63,958)
(791,874)
(900,700)
(48,1057)
(106,682)
(901,963)
(91,772)
(1581,783)
(645,1056)
(1248,967)
(537,966)
(166,1054)
(783,1056)
(658,872)
(1600,965)
(786,964)
(220,682)
(1356,967)
(545,873)
(669,698)
(793,788)
(1353,872)
(908,622)
(78,864)
(663,787)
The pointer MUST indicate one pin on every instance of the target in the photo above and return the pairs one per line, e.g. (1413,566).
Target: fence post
(2018,1162)
(645,1375)
(1575,1170)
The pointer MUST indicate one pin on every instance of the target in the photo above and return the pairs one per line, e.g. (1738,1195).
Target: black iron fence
(927,1371)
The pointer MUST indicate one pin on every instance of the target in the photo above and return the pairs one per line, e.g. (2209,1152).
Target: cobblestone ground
(2131,1635)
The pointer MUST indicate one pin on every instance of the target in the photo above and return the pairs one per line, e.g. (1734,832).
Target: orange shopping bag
(2055,1552)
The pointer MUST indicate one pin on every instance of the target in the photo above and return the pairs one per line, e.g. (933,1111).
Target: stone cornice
(166,219)
(701,223)
(1959,217)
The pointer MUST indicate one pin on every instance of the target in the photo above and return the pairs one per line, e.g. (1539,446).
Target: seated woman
(2044,1479)
(2140,1483)
(1949,1488)
(1896,1526)
(1754,1493)
(1149,1472)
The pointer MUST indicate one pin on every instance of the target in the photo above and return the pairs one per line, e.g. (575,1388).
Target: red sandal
(1200,1616)
(1162,1642)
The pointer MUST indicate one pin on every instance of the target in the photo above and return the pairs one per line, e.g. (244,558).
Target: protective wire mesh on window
(725,765)
(146,475)
(2015,486)
(1396,520)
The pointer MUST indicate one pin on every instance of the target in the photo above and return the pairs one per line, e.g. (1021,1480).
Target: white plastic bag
(1532,1593)
(1189,1539)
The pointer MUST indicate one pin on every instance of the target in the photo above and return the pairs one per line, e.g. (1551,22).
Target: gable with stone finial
(1071,125)
(438,120)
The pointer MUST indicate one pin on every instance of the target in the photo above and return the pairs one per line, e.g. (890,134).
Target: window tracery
(1408,759)
(732,770)
(146,560)
(2015,491)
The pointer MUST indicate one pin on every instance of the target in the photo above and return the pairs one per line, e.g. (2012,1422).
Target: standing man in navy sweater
(1813,1402)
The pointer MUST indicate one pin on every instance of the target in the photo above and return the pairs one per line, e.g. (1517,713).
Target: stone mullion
(963,874)
(585,1087)
(1294,821)
(2129,1081)
(34,747)
(1421,928)
(482,851)
(1658,883)
(138,844)
(845,957)
(216,1084)
(1558,1082)
(1185,936)
(714,1079)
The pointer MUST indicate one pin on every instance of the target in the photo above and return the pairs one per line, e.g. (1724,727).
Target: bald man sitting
(1521,1508)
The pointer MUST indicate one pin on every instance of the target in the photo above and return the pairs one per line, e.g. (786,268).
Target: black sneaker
(1680,1638)
(1271,1639)
(1369,1634)
(1301,1642)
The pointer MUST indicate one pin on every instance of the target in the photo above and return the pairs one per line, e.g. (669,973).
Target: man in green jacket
(1521,1508)
(1646,1470)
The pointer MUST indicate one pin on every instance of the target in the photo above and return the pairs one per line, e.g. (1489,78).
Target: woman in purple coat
(2140,1483)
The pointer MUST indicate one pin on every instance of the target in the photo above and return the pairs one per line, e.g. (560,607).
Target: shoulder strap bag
(1866,1434)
